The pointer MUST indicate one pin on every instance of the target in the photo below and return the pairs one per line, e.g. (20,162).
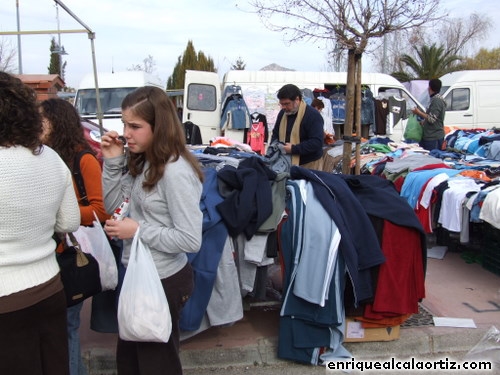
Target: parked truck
(203,93)
(113,87)
(472,98)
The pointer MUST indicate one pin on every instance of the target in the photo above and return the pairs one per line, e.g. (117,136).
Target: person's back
(31,191)
(37,199)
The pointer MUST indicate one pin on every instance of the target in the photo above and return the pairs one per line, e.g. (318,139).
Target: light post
(60,48)
(20,59)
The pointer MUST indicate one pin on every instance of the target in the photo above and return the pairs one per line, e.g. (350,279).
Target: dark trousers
(152,358)
(436,144)
(34,341)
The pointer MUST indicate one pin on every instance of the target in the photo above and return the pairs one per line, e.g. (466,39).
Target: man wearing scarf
(300,128)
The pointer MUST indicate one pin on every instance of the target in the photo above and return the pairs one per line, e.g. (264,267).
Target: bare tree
(7,56)
(351,24)
(148,65)
(458,36)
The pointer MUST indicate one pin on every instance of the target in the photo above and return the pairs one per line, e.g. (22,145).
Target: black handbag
(79,273)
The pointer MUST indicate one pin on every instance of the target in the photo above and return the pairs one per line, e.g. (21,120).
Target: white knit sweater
(36,198)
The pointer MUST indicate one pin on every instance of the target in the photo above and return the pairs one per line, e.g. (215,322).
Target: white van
(472,98)
(113,87)
(202,94)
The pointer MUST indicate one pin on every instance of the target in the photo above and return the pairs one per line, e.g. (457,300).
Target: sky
(128,31)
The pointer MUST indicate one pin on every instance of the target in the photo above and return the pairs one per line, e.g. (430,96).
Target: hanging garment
(256,135)
(309,333)
(193,133)
(381,113)
(235,114)
(338,108)
(397,111)
(327,115)
(367,107)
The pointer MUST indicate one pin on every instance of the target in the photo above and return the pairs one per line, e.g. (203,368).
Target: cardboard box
(356,333)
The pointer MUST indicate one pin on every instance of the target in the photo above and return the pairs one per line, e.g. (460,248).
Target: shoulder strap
(77,174)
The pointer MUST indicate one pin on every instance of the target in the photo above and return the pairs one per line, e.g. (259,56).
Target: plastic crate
(491,249)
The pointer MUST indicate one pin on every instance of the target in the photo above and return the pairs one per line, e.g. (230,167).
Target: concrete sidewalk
(454,289)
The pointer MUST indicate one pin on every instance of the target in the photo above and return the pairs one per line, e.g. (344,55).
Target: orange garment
(91,174)
(472,173)
(90,170)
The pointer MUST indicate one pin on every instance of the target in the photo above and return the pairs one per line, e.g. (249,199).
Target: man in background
(300,128)
(433,118)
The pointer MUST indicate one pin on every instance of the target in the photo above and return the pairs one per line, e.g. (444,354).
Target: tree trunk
(349,111)
(357,112)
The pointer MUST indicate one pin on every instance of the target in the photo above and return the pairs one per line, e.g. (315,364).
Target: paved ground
(287,368)
(454,288)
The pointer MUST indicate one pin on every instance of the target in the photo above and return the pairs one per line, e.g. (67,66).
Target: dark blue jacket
(247,196)
(359,244)
(379,198)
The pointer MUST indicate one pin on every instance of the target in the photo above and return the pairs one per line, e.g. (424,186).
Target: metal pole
(91,35)
(98,97)
(19,55)
(59,43)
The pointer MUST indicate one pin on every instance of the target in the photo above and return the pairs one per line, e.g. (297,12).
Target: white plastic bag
(488,348)
(143,312)
(95,242)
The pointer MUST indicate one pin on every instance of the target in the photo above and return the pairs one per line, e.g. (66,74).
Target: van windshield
(111,100)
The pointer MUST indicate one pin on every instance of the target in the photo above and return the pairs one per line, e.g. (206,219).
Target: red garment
(398,183)
(424,214)
(384,322)
(431,166)
(256,137)
(401,283)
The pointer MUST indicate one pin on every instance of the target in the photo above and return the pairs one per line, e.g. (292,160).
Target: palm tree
(430,62)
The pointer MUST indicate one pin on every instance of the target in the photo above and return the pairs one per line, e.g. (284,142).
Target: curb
(423,341)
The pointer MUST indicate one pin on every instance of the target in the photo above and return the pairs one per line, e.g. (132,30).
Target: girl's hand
(112,144)
(122,229)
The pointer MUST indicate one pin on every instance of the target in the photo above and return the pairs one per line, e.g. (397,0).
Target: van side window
(201,97)
(458,100)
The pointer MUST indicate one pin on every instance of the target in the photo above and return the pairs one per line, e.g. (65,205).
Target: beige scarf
(295,135)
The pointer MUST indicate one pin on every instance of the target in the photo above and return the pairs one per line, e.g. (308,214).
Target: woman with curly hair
(63,132)
(37,199)
(164,184)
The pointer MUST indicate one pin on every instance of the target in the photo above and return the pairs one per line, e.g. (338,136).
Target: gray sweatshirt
(169,215)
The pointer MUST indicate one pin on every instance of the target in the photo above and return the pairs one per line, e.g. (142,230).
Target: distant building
(276,67)
(45,85)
